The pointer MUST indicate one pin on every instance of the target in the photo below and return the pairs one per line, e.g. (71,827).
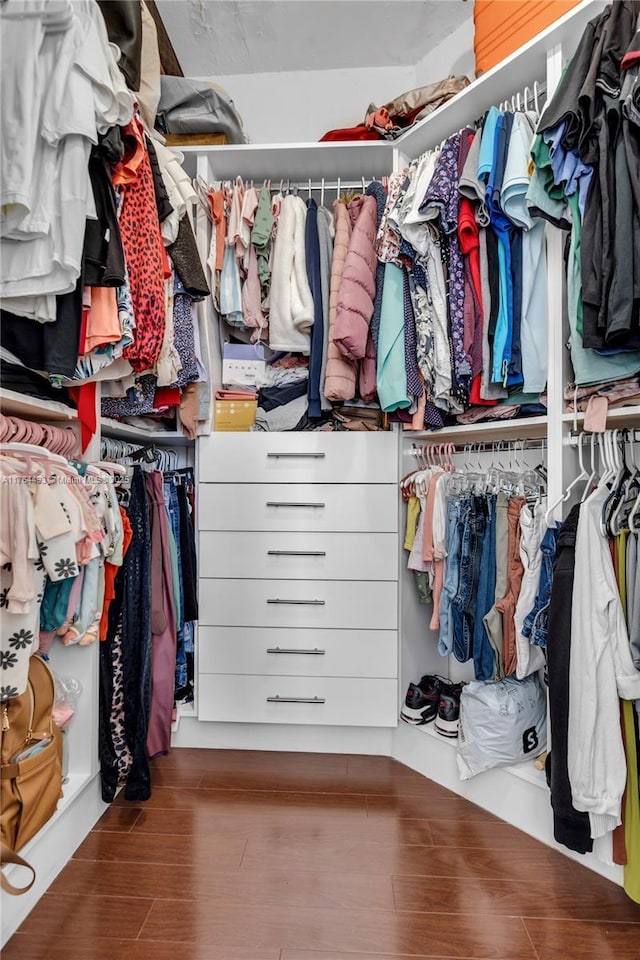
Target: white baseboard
(52,847)
(518,796)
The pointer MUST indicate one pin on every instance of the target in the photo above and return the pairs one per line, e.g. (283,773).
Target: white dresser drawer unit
(304,700)
(332,604)
(298,458)
(299,556)
(272,506)
(298,652)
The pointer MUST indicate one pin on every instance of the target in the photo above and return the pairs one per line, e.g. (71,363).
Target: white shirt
(600,672)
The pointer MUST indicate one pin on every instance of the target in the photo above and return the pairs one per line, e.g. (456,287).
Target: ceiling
(221,38)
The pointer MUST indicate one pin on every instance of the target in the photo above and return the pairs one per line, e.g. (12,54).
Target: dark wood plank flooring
(280,856)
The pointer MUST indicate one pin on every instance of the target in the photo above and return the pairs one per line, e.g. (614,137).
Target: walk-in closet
(320,456)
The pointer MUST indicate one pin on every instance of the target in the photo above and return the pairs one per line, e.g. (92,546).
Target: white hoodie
(601,673)
(290,301)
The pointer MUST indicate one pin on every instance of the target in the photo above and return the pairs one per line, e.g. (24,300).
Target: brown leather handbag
(30,767)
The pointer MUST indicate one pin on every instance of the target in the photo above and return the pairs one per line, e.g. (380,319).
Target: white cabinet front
(295,506)
(298,652)
(299,603)
(307,700)
(299,556)
(298,457)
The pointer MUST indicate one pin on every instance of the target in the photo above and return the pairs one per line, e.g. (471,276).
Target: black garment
(622,325)
(620,33)
(494,283)
(570,827)
(588,100)
(376,190)
(51,347)
(103,254)
(124,28)
(515,363)
(312,259)
(271,397)
(188,557)
(109,767)
(567,104)
(163,203)
(187,263)
(15,377)
(136,639)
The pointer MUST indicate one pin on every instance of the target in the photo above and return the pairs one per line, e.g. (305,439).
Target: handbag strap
(10,856)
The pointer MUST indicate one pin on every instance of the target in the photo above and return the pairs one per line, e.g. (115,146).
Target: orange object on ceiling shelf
(502,26)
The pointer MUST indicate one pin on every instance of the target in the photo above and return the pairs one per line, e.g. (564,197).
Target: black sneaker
(448,718)
(421,701)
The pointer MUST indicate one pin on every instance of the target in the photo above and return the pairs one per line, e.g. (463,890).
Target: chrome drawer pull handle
(296,456)
(290,503)
(278,699)
(308,603)
(315,652)
(296,553)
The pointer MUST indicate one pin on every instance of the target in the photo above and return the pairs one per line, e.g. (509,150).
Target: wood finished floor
(271,856)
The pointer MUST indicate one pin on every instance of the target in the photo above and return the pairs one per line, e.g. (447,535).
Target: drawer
(298,458)
(326,700)
(272,506)
(307,653)
(299,556)
(334,604)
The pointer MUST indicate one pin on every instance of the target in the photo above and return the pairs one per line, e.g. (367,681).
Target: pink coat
(358,285)
(340,376)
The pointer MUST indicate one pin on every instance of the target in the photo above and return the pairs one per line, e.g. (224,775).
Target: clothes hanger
(630,491)
(618,484)
(322,193)
(633,521)
(582,475)
(593,475)
(42,452)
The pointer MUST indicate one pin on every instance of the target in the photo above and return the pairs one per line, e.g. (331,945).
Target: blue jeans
(456,511)
(483,655)
(173,512)
(463,604)
(535,623)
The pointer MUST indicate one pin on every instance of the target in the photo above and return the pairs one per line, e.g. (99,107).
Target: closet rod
(626,434)
(482,446)
(524,99)
(302,186)
(528,97)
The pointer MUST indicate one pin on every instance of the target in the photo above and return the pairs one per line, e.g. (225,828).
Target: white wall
(299,107)
(453,56)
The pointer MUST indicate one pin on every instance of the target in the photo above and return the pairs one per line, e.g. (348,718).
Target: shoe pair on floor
(433,699)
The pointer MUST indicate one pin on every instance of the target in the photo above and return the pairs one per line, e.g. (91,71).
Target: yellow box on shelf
(234,413)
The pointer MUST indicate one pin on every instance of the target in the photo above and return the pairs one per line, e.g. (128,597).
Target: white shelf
(183,710)
(523,428)
(295,161)
(32,408)
(125,431)
(523,771)
(74,785)
(522,68)
(629,416)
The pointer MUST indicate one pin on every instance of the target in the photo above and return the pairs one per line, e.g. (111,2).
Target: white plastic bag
(501,723)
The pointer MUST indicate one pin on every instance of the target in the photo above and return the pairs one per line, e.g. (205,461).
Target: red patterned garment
(143,249)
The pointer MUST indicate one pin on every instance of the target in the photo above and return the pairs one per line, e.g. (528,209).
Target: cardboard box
(234,415)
